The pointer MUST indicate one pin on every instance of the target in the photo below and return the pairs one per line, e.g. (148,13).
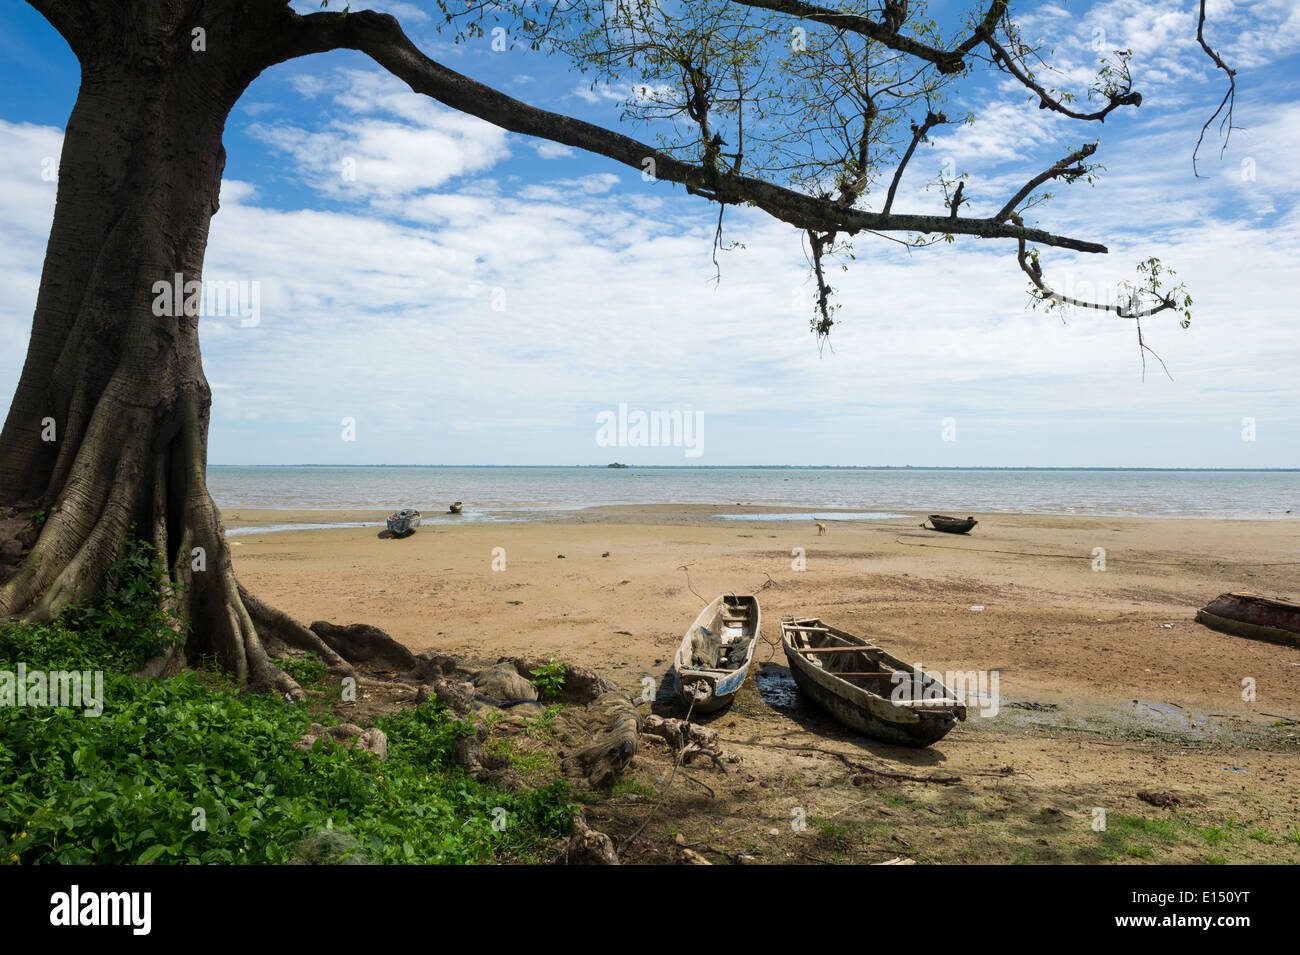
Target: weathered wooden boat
(865,688)
(1253,615)
(716,652)
(952,525)
(403,522)
(455,507)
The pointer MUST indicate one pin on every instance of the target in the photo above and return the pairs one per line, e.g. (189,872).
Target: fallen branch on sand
(889,774)
(701,783)
(694,750)
(859,767)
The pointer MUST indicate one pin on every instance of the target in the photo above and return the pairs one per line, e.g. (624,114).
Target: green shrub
(549,678)
(52,646)
(187,770)
(128,611)
(307,671)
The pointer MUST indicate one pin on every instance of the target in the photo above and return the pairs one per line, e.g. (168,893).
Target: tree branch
(1064,168)
(918,133)
(1046,101)
(1029,265)
(1229,98)
(947,61)
(380,37)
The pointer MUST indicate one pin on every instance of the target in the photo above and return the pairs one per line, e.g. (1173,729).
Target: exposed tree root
(275,622)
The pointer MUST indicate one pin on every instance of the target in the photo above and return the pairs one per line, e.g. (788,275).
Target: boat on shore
(865,688)
(1246,614)
(714,658)
(952,525)
(403,522)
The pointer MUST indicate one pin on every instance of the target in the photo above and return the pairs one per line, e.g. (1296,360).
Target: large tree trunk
(108,428)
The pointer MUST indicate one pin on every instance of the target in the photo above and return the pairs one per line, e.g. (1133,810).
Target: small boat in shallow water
(716,652)
(455,507)
(865,688)
(1253,615)
(403,522)
(952,525)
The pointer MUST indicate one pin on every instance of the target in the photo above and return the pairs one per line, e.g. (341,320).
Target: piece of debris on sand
(1160,800)
(588,846)
(604,733)
(690,739)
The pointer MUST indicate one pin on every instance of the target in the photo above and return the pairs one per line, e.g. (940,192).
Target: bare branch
(918,133)
(78,21)
(1064,168)
(819,243)
(955,203)
(1229,98)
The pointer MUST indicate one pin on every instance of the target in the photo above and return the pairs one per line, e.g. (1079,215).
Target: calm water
(515,493)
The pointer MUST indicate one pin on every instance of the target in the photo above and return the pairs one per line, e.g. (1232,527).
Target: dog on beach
(821,527)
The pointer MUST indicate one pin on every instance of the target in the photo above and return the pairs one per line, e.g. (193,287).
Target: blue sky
(475,297)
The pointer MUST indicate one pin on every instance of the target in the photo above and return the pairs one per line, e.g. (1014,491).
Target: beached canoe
(403,521)
(865,688)
(715,654)
(952,525)
(1253,615)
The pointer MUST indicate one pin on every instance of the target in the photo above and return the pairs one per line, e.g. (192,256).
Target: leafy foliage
(131,610)
(549,678)
(185,770)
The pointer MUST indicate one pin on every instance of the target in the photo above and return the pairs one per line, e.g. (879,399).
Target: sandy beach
(1108,687)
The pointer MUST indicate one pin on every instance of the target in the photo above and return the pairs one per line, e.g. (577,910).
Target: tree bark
(107,433)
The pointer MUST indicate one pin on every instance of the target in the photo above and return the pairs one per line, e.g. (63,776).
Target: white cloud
(385,140)
(549,150)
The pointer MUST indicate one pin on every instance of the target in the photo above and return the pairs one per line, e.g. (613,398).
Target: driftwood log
(679,733)
(588,846)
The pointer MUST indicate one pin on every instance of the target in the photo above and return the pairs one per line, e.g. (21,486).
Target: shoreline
(246,518)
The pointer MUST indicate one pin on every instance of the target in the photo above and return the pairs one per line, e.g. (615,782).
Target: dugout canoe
(1246,614)
(952,525)
(403,522)
(715,654)
(866,688)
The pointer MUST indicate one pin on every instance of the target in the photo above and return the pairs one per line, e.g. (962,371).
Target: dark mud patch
(1140,720)
(777,688)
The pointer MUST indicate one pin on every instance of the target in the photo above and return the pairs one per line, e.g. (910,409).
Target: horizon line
(786,467)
